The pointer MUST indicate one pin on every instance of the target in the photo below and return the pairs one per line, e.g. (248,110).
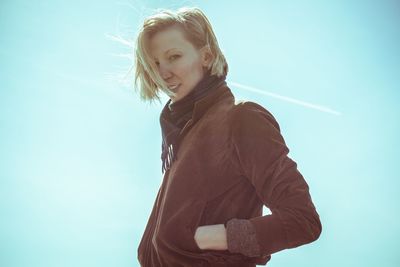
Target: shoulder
(248,113)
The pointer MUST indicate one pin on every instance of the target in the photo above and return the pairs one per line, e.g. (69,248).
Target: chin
(174,98)
(177,97)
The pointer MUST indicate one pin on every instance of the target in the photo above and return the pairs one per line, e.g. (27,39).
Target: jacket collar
(201,106)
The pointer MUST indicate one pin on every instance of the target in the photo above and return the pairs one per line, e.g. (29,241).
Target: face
(179,63)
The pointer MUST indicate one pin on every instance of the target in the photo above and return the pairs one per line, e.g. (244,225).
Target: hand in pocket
(211,237)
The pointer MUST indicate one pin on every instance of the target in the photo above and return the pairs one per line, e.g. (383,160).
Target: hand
(211,237)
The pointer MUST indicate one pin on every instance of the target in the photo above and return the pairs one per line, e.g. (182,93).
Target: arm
(260,154)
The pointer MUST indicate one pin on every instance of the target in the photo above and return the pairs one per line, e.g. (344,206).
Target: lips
(173,87)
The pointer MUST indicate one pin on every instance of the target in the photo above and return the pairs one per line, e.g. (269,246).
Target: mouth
(173,87)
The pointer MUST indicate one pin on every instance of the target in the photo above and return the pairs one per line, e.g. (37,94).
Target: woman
(222,161)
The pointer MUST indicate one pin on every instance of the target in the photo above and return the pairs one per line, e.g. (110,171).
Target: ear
(207,57)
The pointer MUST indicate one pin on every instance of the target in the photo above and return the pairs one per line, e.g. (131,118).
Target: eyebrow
(168,51)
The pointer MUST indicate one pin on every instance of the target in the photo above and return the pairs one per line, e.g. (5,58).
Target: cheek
(190,70)
(196,68)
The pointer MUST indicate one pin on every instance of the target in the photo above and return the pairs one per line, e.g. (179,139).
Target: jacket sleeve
(261,155)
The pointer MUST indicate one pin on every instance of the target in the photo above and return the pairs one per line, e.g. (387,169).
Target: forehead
(169,39)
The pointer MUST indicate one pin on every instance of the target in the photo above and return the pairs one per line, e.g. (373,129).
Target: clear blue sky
(80,153)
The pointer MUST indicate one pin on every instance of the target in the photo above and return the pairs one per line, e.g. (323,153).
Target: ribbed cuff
(241,237)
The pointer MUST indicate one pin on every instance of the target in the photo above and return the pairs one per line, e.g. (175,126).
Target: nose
(165,73)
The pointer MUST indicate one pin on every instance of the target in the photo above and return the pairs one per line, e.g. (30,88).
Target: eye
(173,57)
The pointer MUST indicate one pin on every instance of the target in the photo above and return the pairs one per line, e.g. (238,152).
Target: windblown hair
(197,30)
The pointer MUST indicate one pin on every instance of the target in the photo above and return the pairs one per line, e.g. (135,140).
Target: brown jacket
(231,161)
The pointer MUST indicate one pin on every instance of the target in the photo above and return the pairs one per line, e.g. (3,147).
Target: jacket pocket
(211,256)
(193,223)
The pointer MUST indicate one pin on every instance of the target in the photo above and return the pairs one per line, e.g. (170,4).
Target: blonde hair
(197,30)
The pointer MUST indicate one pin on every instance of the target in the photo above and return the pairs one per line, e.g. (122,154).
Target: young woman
(222,159)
